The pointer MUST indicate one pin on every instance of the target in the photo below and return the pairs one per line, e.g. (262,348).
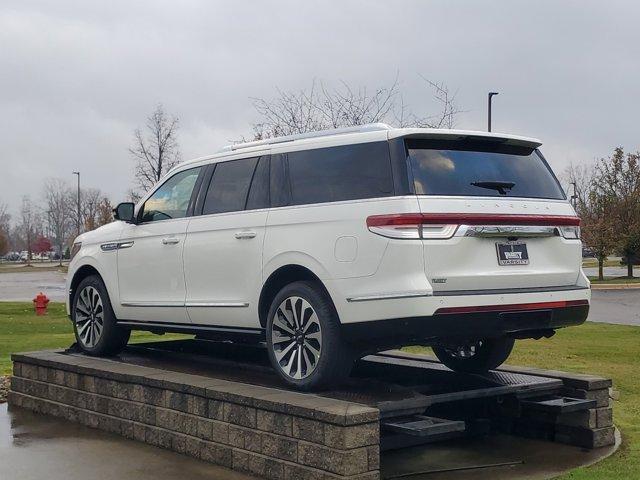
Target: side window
(259,191)
(346,172)
(171,200)
(279,183)
(229,186)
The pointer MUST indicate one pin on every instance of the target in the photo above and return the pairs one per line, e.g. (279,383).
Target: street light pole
(78,174)
(491,94)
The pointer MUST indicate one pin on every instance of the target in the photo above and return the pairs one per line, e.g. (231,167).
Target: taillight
(441,226)
(409,226)
(570,232)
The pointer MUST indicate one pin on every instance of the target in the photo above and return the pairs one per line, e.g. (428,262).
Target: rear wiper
(501,187)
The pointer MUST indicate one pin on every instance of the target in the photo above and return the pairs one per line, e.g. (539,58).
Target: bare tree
(322,107)
(104,212)
(156,150)
(4,243)
(89,204)
(5,227)
(133,195)
(618,177)
(28,225)
(595,210)
(60,209)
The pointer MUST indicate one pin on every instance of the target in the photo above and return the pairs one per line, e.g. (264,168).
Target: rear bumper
(521,321)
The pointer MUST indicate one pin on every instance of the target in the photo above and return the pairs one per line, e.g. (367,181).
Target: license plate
(512,253)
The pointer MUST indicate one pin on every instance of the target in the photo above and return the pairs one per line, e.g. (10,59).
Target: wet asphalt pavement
(37,447)
(621,307)
(23,286)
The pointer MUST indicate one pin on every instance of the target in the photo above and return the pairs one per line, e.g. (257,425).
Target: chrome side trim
(152,304)
(218,304)
(506,291)
(388,296)
(506,231)
(109,247)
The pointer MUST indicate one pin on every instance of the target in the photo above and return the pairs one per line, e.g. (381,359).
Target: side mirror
(125,212)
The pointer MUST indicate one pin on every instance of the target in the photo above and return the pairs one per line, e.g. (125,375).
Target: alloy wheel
(464,351)
(89,316)
(296,337)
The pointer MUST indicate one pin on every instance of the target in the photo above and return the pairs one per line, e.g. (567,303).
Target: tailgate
(500,244)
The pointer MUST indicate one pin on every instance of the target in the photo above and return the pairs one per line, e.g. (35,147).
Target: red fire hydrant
(40,304)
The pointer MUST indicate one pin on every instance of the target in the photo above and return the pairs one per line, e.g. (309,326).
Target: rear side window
(340,173)
(259,191)
(444,168)
(229,186)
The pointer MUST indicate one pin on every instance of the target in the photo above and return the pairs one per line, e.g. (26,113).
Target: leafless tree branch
(156,151)
(322,107)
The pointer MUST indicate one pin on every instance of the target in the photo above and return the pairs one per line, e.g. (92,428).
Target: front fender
(105,263)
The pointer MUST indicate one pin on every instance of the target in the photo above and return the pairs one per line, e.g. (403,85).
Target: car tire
(304,339)
(94,322)
(477,357)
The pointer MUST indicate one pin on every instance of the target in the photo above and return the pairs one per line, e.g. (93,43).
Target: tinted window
(340,173)
(280,194)
(171,200)
(488,172)
(259,191)
(229,186)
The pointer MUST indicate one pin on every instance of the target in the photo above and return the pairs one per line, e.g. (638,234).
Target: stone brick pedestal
(262,431)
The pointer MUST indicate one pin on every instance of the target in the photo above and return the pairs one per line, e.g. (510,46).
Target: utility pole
(574,197)
(78,222)
(491,94)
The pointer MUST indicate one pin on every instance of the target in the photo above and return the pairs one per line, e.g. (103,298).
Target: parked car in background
(332,245)
(12,256)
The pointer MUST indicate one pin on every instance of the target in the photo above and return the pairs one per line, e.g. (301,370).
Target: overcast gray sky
(78,77)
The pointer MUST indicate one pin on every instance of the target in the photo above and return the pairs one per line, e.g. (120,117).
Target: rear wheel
(303,338)
(94,322)
(475,357)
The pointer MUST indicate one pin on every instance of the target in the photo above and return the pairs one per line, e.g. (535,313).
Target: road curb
(616,286)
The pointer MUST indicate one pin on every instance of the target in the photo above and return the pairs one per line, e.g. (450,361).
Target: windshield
(489,170)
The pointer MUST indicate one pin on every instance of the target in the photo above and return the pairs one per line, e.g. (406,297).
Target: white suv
(332,245)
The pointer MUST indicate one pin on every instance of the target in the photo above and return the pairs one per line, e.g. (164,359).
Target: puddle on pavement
(34,447)
(493,457)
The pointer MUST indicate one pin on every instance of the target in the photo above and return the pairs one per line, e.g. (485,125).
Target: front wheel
(304,339)
(475,357)
(94,322)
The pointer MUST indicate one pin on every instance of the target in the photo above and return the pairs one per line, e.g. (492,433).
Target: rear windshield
(489,170)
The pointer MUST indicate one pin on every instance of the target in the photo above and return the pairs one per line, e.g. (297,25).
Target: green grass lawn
(22,331)
(600,349)
(35,267)
(609,262)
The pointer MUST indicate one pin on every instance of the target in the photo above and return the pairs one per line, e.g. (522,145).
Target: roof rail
(370,127)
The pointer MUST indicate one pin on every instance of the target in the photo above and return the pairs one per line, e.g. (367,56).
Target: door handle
(170,240)
(245,235)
